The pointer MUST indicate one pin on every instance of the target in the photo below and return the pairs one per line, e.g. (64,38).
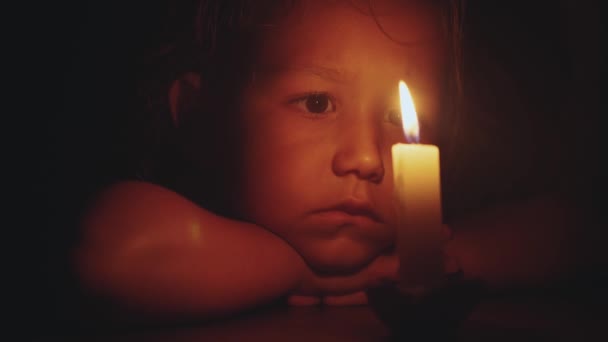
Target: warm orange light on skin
(408,114)
(195,231)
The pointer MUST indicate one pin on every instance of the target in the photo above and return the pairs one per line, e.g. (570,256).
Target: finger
(357,298)
(385,270)
(297,300)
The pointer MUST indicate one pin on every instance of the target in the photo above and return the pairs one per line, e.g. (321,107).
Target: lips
(352,210)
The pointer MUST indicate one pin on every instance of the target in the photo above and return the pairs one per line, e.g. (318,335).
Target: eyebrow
(327,73)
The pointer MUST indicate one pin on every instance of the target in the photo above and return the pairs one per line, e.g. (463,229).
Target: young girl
(281,186)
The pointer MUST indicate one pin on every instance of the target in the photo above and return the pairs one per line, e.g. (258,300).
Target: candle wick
(412,138)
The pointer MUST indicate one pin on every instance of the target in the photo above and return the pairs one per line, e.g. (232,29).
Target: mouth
(352,210)
(347,235)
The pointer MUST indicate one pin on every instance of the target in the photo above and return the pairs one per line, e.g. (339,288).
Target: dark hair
(215,38)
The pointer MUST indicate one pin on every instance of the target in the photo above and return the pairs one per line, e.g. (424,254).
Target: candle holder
(428,315)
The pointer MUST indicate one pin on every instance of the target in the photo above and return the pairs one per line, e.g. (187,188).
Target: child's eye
(315,103)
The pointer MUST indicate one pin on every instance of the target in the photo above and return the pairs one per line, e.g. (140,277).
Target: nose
(358,152)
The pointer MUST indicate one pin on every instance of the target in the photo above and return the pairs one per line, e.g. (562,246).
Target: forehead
(335,32)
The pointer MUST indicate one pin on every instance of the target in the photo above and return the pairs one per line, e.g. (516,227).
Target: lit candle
(418,197)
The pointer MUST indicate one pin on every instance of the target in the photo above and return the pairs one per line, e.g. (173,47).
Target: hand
(351,290)
(345,290)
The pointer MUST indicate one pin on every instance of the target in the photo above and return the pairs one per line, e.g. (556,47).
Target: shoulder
(145,191)
(139,195)
(131,207)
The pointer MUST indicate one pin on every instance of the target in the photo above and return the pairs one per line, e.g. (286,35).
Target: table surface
(506,319)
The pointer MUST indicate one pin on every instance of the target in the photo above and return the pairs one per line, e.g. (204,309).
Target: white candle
(418,197)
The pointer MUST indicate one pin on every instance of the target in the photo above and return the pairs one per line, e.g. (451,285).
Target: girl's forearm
(168,257)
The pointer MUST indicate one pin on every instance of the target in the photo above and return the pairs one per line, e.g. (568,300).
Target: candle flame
(408,114)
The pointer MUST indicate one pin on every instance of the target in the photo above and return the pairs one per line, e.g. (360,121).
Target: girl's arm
(157,253)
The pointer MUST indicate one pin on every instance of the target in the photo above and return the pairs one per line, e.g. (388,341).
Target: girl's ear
(184,95)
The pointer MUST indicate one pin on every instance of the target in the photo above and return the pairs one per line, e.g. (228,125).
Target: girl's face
(319,123)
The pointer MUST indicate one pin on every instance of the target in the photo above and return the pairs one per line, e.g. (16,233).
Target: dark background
(531,65)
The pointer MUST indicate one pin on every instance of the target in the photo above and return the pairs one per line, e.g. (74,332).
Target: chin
(339,256)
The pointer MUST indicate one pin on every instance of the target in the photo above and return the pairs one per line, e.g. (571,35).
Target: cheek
(279,168)
(281,186)
(282,168)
